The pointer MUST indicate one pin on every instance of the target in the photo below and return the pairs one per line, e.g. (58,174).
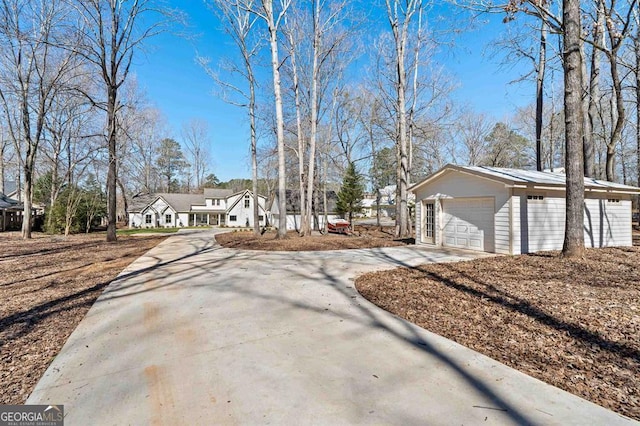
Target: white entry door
(468,223)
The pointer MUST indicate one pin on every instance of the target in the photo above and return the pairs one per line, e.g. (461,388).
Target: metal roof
(530,178)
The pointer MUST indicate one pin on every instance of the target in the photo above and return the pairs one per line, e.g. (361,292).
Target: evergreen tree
(171,163)
(351,193)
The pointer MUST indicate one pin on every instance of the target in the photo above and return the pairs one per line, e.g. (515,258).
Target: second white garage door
(468,223)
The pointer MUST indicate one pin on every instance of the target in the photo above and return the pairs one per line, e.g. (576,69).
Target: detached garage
(511,211)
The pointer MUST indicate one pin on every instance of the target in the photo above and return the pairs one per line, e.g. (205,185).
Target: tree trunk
(594,96)
(637,75)
(325,222)
(619,120)
(304,213)
(254,153)
(542,61)
(111,172)
(275,66)
(125,202)
(574,166)
(3,146)
(28,191)
(616,133)
(314,107)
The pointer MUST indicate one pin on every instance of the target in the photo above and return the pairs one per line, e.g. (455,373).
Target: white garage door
(468,223)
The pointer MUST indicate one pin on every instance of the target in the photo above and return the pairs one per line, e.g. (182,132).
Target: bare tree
(32,71)
(5,143)
(71,142)
(273,19)
(473,130)
(400,15)
(542,62)
(111,32)
(195,136)
(241,27)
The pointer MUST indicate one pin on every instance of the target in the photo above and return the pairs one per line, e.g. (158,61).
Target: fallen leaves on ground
(364,236)
(573,323)
(47,285)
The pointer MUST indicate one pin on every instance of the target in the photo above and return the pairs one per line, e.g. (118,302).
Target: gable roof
(217,193)
(528,179)
(182,202)
(240,196)
(9,203)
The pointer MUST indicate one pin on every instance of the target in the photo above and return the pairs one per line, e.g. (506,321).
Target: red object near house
(339,226)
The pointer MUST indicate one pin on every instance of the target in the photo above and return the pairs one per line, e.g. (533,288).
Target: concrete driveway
(192,333)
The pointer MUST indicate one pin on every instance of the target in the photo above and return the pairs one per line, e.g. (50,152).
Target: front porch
(207,219)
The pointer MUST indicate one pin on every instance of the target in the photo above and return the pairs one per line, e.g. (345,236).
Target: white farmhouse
(214,207)
(512,211)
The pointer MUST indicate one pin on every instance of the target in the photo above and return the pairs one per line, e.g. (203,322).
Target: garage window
(535,197)
(613,200)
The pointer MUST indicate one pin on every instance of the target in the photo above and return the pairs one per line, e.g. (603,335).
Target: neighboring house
(293,210)
(11,190)
(368,207)
(388,201)
(11,212)
(214,207)
(512,211)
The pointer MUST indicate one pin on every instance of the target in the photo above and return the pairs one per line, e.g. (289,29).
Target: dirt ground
(572,323)
(47,285)
(364,236)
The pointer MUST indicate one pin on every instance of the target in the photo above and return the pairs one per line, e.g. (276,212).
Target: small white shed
(511,211)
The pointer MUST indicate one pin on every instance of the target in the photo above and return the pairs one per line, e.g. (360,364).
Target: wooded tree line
(74,127)
(326,84)
(328,116)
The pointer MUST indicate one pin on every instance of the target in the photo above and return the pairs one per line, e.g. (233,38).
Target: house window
(233,218)
(535,197)
(246,201)
(260,218)
(167,218)
(147,219)
(217,202)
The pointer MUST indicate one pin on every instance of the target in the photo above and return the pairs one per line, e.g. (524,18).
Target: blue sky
(176,84)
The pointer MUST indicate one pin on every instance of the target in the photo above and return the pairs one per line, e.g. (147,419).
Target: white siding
(135,220)
(454,184)
(607,224)
(182,220)
(245,214)
(419,220)
(545,223)
(503,227)
(170,224)
(516,242)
